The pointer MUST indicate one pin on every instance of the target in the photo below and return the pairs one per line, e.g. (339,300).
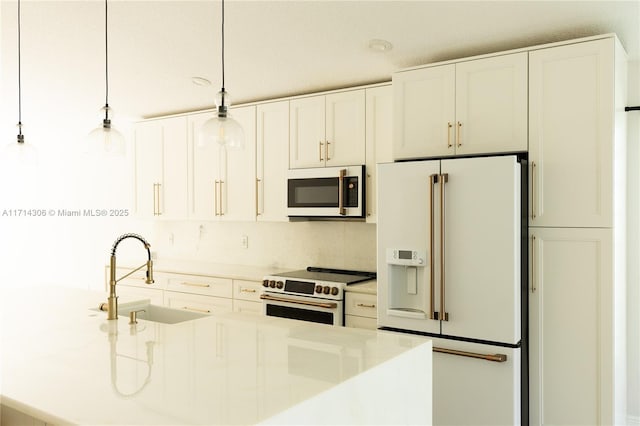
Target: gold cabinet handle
(156,199)
(449,126)
(215,197)
(365,305)
(486,357)
(221,199)
(189,308)
(433,179)
(247,290)
(458,139)
(257,191)
(321,144)
(443,315)
(326,150)
(190,284)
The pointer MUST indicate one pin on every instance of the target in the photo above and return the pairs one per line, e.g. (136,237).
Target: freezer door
(472,391)
(404,245)
(481,234)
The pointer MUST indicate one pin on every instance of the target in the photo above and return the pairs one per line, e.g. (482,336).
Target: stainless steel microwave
(326,192)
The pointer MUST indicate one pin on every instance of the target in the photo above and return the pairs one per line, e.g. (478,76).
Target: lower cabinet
(246,297)
(197,302)
(572,328)
(360,310)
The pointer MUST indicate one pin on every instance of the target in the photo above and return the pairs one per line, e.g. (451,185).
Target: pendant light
(106,140)
(20,152)
(222,129)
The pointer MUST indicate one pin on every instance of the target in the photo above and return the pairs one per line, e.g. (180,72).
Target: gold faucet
(112,300)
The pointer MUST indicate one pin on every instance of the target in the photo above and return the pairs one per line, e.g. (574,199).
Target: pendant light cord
(222,45)
(106,60)
(19,79)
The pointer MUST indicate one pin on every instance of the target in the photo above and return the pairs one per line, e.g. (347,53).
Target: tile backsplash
(345,245)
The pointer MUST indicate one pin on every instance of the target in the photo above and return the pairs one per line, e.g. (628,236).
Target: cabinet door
(570,327)
(345,128)
(307,132)
(148,167)
(424,112)
(570,134)
(272,161)
(481,233)
(491,105)
(378,140)
(205,164)
(174,168)
(238,197)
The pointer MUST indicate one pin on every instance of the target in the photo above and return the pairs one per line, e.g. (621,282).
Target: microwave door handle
(341,174)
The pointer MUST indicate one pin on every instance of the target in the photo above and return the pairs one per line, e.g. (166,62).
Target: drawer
(360,322)
(247,290)
(247,307)
(363,305)
(200,284)
(197,302)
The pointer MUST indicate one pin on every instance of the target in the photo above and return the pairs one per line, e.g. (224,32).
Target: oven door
(304,308)
(326,192)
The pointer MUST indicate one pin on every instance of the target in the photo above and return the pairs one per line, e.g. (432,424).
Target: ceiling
(272,48)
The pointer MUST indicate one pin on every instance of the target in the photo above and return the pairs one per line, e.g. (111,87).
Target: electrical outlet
(244,241)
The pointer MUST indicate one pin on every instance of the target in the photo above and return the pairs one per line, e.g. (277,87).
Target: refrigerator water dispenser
(407,290)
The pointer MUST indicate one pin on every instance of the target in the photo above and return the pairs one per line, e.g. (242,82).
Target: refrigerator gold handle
(433,179)
(533,190)
(486,357)
(533,264)
(444,315)
(341,210)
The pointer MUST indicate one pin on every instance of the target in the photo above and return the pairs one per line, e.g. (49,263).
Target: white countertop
(64,363)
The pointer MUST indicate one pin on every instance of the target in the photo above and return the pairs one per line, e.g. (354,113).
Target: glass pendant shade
(20,153)
(222,129)
(105,140)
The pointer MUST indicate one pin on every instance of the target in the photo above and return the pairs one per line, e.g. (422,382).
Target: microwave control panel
(406,257)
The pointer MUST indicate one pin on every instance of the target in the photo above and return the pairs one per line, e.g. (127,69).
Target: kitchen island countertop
(64,363)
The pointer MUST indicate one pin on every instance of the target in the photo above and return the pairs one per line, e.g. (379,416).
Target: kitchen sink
(147,311)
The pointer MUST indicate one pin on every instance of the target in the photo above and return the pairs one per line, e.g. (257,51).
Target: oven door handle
(327,305)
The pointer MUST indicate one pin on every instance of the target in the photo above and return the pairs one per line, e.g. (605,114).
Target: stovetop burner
(327,274)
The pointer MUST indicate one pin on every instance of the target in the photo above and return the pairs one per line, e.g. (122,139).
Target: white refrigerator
(452,265)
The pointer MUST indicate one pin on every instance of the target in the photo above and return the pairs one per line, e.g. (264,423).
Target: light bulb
(105,140)
(222,130)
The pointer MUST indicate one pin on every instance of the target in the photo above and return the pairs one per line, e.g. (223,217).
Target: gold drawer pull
(365,305)
(204,311)
(188,284)
(247,290)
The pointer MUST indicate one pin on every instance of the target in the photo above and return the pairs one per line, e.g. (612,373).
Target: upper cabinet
(571,131)
(327,130)
(470,107)
(161,168)
(379,140)
(272,155)
(222,182)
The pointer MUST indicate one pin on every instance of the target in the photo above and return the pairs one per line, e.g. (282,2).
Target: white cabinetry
(327,130)
(577,226)
(360,310)
(571,328)
(571,128)
(378,140)
(470,107)
(161,168)
(272,161)
(222,182)
(198,293)
(246,296)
